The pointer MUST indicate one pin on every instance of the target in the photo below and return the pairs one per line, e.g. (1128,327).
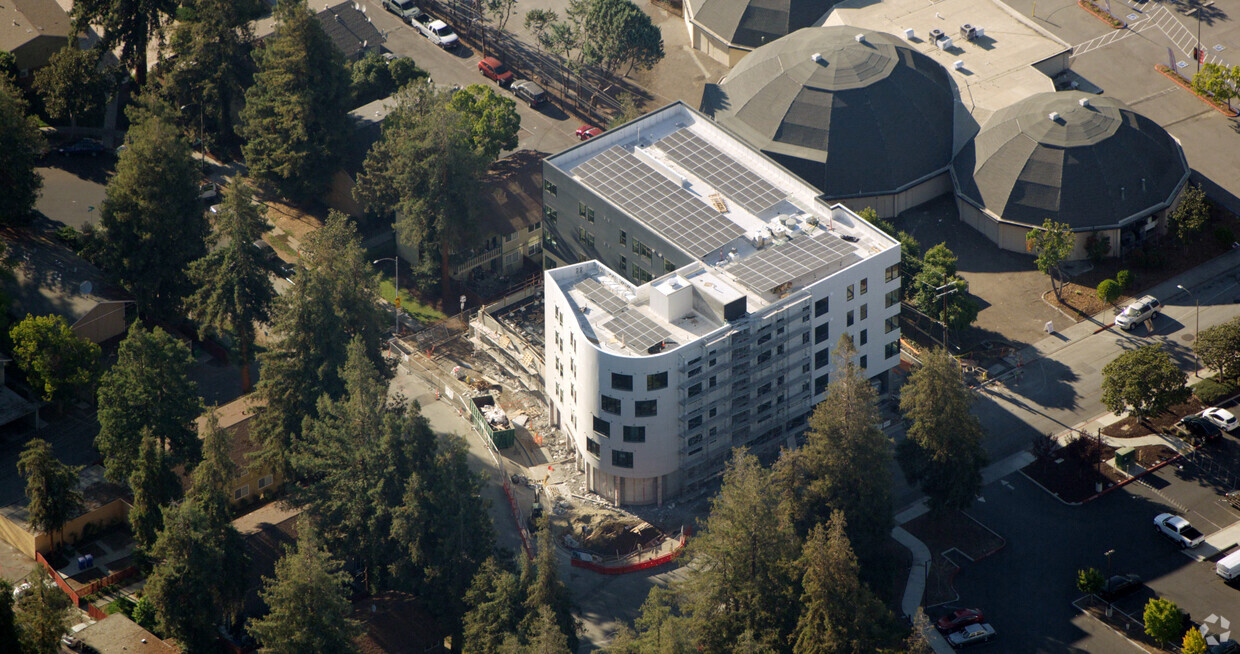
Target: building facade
(695,295)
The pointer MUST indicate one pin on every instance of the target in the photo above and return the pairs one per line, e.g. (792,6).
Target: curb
(1095,496)
(1178,79)
(1049,492)
(1106,19)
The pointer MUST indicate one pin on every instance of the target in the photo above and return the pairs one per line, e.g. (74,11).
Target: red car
(959,619)
(494,69)
(587,132)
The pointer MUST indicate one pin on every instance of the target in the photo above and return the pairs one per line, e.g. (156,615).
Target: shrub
(1224,236)
(1213,390)
(1097,247)
(1108,291)
(1124,279)
(67,235)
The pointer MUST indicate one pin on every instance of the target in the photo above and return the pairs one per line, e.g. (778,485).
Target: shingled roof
(753,23)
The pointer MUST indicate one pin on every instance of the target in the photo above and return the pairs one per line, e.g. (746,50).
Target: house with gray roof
(49,279)
(727,30)
(33,30)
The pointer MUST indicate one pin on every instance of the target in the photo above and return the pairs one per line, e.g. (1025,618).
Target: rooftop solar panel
(604,298)
(636,330)
(776,265)
(719,170)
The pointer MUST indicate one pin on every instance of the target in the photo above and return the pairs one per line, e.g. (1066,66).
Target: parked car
(1228,646)
(587,132)
(434,29)
(208,190)
(972,635)
(1119,586)
(1138,312)
(403,8)
(495,70)
(1221,417)
(1200,428)
(83,146)
(1178,530)
(959,619)
(531,93)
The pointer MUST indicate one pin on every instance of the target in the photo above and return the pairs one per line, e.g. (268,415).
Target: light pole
(1201,54)
(942,293)
(1108,554)
(202,136)
(396,263)
(1196,330)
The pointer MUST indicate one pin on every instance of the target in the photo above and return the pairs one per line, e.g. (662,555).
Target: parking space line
(1162,19)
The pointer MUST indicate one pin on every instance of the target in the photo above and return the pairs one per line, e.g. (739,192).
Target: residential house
(117,634)
(33,30)
(252,482)
(49,279)
(104,504)
(350,29)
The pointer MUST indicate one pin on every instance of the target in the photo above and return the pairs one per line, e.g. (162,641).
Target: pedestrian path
(1160,19)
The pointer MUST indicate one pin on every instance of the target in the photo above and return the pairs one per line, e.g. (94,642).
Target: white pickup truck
(434,29)
(1178,530)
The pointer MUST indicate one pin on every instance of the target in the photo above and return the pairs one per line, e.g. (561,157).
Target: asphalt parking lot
(73,187)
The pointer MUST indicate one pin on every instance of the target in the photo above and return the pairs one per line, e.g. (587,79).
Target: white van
(1228,567)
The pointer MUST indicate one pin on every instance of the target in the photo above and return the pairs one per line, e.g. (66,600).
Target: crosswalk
(1182,39)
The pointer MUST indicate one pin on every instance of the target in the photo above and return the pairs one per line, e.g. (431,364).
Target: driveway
(73,188)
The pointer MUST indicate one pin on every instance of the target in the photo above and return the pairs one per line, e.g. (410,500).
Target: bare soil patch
(1131,427)
(954,539)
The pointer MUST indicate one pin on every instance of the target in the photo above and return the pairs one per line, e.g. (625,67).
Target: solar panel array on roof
(653,199)
(734,181)
(779,264)
(607,300)
(636,330)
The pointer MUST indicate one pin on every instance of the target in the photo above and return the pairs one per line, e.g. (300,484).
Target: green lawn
(414,307)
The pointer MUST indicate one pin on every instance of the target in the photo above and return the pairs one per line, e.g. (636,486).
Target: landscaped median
(1176,77)
(1102,15)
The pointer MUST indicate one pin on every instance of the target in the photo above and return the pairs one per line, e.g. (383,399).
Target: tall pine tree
(51,487)
(131,23)
(20,143)
(154,487)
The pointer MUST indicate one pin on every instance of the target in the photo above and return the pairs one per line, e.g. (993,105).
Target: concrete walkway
(1219,541)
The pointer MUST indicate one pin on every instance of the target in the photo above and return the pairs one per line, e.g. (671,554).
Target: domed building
(727,30)
(858,114)
(1084,160)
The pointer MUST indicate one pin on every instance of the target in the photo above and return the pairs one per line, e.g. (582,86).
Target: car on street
(1138,312)
(973,634)
(587,132)
(1178,530)
(1221,417)
(533,94)
(82,147)
(406,9)
(1200,428)
(435,30)
(1228,646)
(208,190)
(959,619)
(495,70)
(1119,586)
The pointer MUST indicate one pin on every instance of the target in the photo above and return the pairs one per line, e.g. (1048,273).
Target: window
(645,408)
(695,390)
(820,384)
(668,266)
(865,336)
(656,381)
(822,358)
(864,362)
(265,482)
(891,324)
(695,371)
(695,422)
(804,368)
(865,285)
(592,446)
(694,440)
(891,349)
(892,272)
(641,275)
(602,427)
(624,264)
(849,322)
(822,306)
(549,214)
(804,338)
(848,293)
(549,187)
(892,297)
(621,382)
(712,413)
(581,209)
(239,493)
(694,451)
(621,459)
(624,237)
(535,227)
(559,316)
(822,332)
(640,248)
(585,237)
(764,389)
(764,356)
(712,381)
(865,311)
(634,434)
(611,405)
(589,214)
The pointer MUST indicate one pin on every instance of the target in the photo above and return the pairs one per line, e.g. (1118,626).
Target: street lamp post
(942,292)
(396,264)
(1196,330)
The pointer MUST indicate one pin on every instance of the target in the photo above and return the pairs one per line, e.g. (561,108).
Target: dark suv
(531,93)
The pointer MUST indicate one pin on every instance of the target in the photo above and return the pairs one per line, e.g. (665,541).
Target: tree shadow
(1209,15)
(1048,383)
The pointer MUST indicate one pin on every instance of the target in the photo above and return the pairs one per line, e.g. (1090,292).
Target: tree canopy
(131,23)
(154,486)
(51,487)
(295,120)
(20,145)
(1144,381)
(1052,243)
(42,615)
(71,84)
(56,361)
(1192,213)
(1218,346)
(937,276)
(1164,622)
(492,118)
(1217,81)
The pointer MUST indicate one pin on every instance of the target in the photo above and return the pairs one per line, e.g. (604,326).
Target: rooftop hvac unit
(935,35)
(1054,116)
(968,32)
(908,34)
(945,43)
(1084,102)
(817,57)
(860,38)
(958,64)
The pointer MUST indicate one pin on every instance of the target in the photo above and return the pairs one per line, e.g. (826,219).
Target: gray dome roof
(753,23)
(850,117)
(1092,165)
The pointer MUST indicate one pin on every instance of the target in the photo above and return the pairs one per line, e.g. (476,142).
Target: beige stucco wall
(893,204)
(28,543)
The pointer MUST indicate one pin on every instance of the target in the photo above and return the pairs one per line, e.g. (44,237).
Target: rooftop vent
(958,64)
(908,34)
(1054,116)
(1084,102)
(860,38)
(816,57)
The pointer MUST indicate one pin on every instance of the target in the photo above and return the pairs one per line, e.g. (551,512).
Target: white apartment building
(656,377)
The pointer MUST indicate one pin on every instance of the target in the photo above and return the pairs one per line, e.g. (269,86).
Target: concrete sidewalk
(1216,543)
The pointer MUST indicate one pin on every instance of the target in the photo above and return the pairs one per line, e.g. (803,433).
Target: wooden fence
(95,586)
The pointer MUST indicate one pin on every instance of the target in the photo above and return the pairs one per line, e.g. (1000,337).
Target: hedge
(1212,390)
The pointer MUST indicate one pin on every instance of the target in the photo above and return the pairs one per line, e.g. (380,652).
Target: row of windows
(641,408)
(619,458)
(585,212)
(630,433)
(892,272)
(654,381)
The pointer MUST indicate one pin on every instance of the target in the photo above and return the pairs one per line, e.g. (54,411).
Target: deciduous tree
(1052,243)
(234,289)
(42,615)
(1218,347)
(1193,643)
(938,276)
(943,450)
(20,144)
(71,84)
(492,119)
(1108,291)
(1218,81)
(148,389)
(1163,620)
(1144,381)
(56,361)
(130,23)
(1089,581)
(1191,214)
(295,120)
(308,611)
(51,487)
(152,224)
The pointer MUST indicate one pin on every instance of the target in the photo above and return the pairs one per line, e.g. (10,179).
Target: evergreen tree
(839,613)
(544,588)
(661,628)
(8,619)
(495,608)
(152,224)
(545,634)
(130,23)
(742,563)
(20,144)
(234,281)
(333,301)
(42,615)
(51,487)
(154,487)
(845,463)
(71,84)
(212,480)
(308,608)
(56,361)
(295,119)
(148,388)
(943,449)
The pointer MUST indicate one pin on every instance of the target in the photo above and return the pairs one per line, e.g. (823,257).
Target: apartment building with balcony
(694,294)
